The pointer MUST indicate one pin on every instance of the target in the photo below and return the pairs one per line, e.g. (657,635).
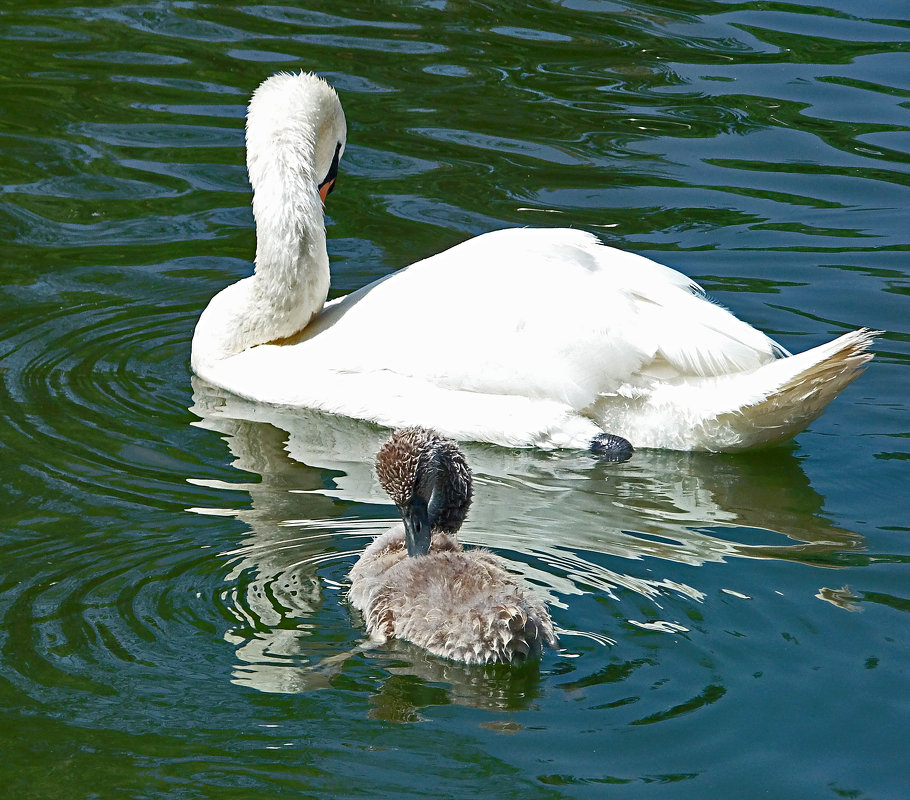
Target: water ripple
(569,529)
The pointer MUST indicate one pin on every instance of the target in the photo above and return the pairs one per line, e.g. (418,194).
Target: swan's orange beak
(325,189)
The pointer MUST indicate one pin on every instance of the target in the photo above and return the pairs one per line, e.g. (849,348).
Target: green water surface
(173,560)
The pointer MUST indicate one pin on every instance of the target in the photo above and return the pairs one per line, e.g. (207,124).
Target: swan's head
(428,478)
(296,118)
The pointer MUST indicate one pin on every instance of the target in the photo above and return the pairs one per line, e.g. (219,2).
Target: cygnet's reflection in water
(558,519)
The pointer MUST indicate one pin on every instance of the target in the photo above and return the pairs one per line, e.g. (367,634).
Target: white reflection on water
(557,518)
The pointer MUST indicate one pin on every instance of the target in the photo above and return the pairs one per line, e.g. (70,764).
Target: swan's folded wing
(697,337)
(544,315)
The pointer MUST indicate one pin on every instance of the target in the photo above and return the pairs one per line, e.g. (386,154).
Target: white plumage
(520,337)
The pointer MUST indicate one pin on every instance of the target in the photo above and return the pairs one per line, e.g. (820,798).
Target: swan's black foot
(611,447)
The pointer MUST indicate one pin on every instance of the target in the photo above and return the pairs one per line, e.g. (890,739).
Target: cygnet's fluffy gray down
(458,604)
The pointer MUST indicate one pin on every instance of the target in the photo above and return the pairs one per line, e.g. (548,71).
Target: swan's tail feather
(793,391)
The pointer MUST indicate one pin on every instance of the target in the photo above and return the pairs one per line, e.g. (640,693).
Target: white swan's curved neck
(291,279)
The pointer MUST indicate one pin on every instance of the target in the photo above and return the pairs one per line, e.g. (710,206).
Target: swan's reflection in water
(567,523)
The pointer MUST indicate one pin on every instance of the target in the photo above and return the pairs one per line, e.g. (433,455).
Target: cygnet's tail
(789,393)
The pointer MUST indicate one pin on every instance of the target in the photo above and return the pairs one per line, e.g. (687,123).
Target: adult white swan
(521,337)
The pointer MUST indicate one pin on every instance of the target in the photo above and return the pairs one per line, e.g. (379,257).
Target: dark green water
(172,566)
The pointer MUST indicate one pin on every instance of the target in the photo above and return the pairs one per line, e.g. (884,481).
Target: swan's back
(560,316)
(457,604)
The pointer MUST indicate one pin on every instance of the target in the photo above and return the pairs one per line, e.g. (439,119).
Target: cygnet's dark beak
(417,527)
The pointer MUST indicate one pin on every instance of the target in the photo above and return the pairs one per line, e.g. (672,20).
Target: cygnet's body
(415,581)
